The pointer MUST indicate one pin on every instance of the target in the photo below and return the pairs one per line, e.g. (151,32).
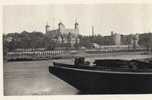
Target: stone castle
(63,35)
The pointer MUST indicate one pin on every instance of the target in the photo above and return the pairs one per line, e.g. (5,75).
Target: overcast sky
(121,18)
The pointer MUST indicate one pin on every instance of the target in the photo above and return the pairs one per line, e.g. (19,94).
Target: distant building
(130,40)
(116,38)
(63,35)
(134,41)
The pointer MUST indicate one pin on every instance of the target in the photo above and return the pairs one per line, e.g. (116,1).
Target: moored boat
(106,76)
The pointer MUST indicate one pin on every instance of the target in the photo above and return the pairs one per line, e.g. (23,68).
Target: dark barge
(107,76)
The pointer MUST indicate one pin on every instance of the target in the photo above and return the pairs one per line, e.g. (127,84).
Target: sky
(120,18)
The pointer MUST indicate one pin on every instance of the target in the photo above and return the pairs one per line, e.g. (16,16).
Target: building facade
(63,35)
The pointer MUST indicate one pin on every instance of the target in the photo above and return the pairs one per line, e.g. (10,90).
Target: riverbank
(68,55)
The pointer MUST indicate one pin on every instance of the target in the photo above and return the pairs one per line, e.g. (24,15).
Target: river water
(33,77)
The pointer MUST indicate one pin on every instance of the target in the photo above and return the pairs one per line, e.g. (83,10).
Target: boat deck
(106,70)
(112,66)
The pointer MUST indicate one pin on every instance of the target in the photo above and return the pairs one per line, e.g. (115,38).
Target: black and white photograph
(77,49)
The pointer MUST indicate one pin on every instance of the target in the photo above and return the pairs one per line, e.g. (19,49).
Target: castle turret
(76,25)
(61,26)
(46,28)
(76,28)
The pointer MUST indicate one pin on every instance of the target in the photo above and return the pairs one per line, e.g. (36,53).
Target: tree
(49,44)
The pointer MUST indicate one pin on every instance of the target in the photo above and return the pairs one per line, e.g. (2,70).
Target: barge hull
(105,82)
